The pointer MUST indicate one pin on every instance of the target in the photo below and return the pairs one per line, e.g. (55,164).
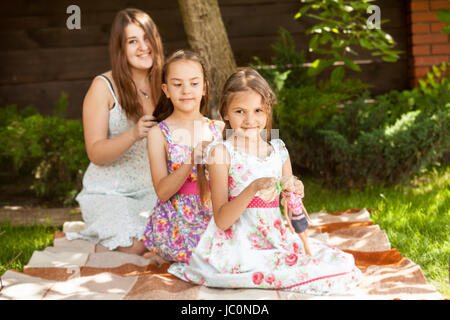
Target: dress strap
(166,132)
(213,128)
(111,89)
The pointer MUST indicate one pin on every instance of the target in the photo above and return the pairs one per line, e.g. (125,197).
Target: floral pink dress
(175,226)
(258,251)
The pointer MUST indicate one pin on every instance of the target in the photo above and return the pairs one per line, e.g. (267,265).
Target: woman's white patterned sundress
(258,251)
(117,198)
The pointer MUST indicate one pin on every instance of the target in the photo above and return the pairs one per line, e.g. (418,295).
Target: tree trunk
(207,36)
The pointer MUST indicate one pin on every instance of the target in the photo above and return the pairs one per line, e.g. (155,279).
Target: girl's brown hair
(245,79)
(164,108)
(121,73)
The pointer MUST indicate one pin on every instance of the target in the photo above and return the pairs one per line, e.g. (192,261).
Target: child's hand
(263,183)
(199,152)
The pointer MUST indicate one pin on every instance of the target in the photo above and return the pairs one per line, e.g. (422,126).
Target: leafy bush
(342,26)
(366,142)
(287,69)
(50,148)
(303,101)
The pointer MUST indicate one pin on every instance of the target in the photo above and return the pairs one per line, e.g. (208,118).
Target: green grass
(415,215)
(25,239)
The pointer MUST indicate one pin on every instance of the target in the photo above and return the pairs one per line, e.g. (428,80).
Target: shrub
(49,148)
(287,69)
(373,142)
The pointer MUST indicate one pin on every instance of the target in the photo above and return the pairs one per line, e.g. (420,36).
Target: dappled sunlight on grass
(414,214)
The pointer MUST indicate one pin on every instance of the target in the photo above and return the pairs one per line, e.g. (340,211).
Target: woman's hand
(141,128)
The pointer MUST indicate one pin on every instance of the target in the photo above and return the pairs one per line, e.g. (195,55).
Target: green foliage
(342,27)
(287,68)
(302,102)
(444,16)
(50,148)
(360,142)
(22,239)
(310,106)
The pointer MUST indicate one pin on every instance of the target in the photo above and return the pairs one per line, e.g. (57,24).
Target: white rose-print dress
(258,251)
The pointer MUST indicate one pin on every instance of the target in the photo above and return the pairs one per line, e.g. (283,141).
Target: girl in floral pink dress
(246,244)
(182,212)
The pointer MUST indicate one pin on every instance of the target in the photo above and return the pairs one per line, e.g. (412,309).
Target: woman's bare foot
(137,247)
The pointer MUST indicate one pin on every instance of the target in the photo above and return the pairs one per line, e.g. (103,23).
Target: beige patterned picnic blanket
(81,270)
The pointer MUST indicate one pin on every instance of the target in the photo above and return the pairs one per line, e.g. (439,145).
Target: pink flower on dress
(296,247)
(277,224)
(231,183)
(258,278)
(255,240)
(291,259)
(263,231)
(267,244)
(236,269)
(219,234)
(244,177)
(228,234)
(278,284)
(238,167)
(270,278)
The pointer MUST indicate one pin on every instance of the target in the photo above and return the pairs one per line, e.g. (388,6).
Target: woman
(117,193)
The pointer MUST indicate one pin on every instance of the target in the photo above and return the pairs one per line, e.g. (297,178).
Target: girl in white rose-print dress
(246,244)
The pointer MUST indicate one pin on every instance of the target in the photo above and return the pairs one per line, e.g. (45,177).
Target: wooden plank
(245,48)
(44,95)
(383,76)
(49,7)
(25,66)
(54,38)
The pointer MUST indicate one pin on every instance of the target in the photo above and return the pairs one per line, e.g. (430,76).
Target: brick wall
(429,45)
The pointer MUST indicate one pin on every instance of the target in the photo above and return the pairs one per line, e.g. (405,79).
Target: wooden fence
(40,57)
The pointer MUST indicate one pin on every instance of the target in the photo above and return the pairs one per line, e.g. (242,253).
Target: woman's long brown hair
(121,73)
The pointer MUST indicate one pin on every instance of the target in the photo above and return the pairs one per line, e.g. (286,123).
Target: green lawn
(415,215)
(25,239)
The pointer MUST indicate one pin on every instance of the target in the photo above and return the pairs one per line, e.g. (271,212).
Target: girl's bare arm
(165,184)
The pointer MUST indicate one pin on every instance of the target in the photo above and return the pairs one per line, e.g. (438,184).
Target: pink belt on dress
(189,188)
(257,202)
